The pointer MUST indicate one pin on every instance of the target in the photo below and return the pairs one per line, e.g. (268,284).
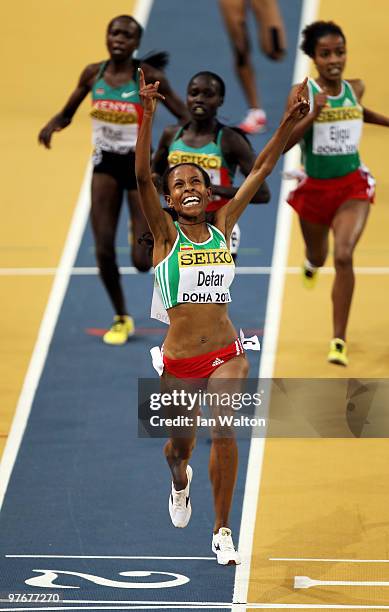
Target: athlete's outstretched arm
(65,116)
(319,102)
(159,222)
(170,99)
(227,216)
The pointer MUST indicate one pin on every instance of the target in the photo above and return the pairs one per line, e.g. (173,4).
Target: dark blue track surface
(83,483)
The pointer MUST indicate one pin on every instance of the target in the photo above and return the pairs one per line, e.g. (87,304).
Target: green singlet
(330,146)
(195,273)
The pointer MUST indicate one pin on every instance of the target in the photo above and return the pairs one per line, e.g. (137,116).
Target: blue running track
(83,484)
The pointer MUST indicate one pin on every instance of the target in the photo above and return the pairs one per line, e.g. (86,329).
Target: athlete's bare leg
(223,462)
(316,241)
(178,449)
(347,225)
(141,257)
(271,30)
(105,211)
(234,14)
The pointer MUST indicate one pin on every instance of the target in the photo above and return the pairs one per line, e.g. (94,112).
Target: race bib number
(114,138)
(338,138)
(205,276)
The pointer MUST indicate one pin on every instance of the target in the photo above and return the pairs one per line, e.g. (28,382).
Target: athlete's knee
(241,49)
(106,258)
(180,448)
(141,259)
(343,256)
(104,252)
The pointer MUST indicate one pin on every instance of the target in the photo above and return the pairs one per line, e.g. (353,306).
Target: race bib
(205,276)
(335,135)
(114,138)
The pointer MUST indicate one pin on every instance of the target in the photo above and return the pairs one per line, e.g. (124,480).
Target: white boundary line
(128,270)
(188,603)
(106,557)
(45,334)
(297,559)
(272,322)
(200,606)
(49,320)
(142,11)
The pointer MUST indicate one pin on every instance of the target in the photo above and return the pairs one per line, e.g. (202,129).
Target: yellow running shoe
(123,327)
(309,277)
(338,352)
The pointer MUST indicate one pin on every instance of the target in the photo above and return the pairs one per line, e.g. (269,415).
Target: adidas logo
(217,362)
(222,245)
(348,102)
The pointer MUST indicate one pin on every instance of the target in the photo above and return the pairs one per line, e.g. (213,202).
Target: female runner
(194,270)
(338,191)
(219,149)
(116,115)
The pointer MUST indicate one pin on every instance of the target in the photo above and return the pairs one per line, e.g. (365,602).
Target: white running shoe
(224,549)
(254,122)
(179,503)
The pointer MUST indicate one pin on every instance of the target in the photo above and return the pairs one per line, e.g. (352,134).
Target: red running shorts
(317,200)
(202,366)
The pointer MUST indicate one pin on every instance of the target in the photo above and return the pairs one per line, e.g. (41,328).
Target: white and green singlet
(193,273)
(330,146)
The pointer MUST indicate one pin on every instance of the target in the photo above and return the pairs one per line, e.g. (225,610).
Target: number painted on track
(47,578)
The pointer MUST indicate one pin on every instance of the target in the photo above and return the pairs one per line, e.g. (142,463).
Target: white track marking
(304,582)
(192,603)
(49,320)
(140,605)
(128,270)
(106,557)
(272,322)
(45,334)
(142,11)
(297,559)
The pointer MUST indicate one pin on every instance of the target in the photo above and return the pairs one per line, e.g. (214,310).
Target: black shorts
(121,167)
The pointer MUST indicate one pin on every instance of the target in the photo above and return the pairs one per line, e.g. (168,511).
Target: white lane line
(142,11)
(272,322)
(128,270)
(309,559)
(49,320)
(45,334)
(203,605)
(107,557)
(184,604)
(156,606)
(304,582)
